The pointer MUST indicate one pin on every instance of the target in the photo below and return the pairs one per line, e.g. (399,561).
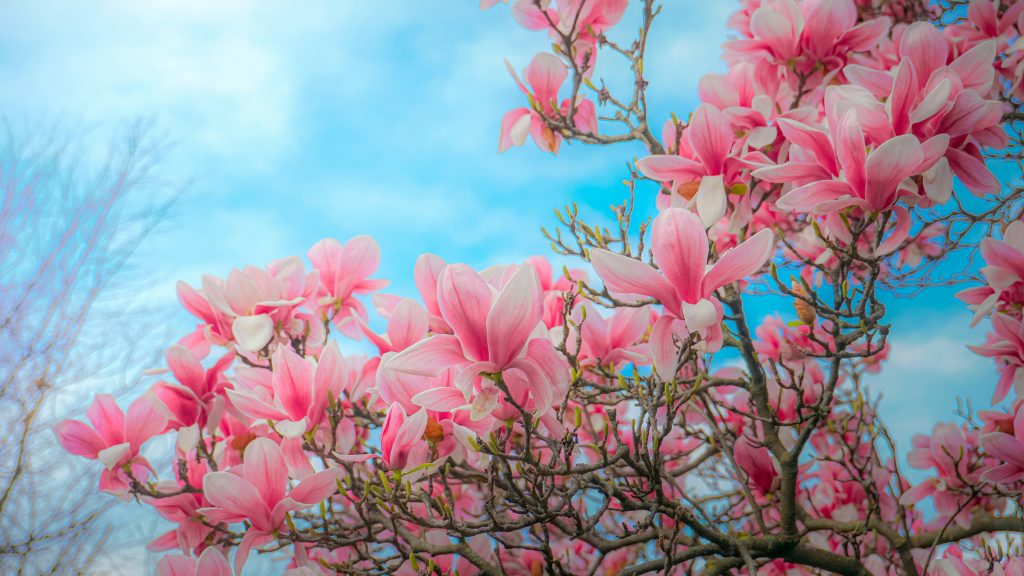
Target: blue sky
(344,118)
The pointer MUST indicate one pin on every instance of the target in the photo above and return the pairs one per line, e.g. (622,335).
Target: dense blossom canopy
(632,420)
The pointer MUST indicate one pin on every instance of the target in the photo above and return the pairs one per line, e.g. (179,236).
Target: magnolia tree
(636,419)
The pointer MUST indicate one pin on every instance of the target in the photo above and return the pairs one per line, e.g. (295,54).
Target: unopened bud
(804,311)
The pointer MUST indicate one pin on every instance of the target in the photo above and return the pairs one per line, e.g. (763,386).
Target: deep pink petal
(972,172)
(107,418)
(146,418)
(814,140)
(78,439)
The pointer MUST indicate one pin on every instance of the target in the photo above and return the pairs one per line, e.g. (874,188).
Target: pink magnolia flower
(497,329)
(812,31)
(553,285)
(685,284)
(197,396)
(583,19)
(297,397)
(545,75)
(1008,448)
(115,438)
(871,181)
(952,451)
(408,323)
(190,532)
(412,435)
(210,563)
(345,272)
(1006,345)
(613,341)
(705,158)
(1003,273)
(254,302)
(257,491)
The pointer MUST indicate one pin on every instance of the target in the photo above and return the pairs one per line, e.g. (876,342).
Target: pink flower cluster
(837,128)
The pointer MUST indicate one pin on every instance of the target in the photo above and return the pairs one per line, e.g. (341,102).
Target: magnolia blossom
(497,330)
(115,438)
(257,491)
(545,75)
(685,283)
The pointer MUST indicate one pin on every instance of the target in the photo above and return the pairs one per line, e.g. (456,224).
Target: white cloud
(929,368)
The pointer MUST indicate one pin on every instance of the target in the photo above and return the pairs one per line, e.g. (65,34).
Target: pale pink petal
(265,469)
(185,367)
(176,565)
(545,74)
(663,346)
(213,563)
(626,275)
(925,46)
(710,200)
(146,418)
(515,127)
(807,198)
(904,93)
(408,324)
(465,300)
(669,168)
(513,316)
(114,455)
(850,150)
(428,357)
(680,247)
(781,31)
(792,171)
(887,166)
(711,137)
(878,82)
(293,382)
(741,261)
(236,496)
(426,274)
(255,407)
(527,15)
(316,488)
(107,418)
(444,399)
